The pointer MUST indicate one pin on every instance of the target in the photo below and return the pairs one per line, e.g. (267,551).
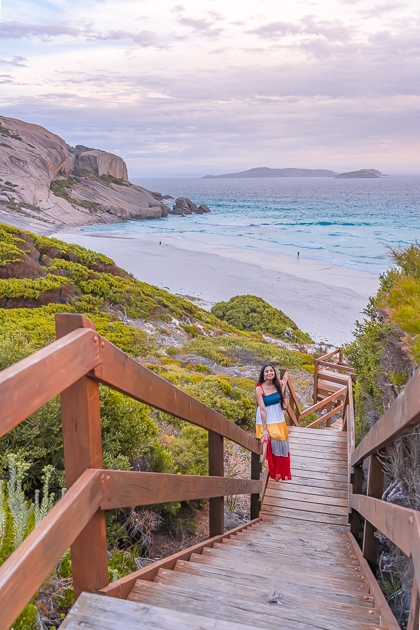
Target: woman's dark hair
(276,383)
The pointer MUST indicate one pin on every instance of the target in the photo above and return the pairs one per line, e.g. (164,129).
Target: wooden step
(224,606)
(258,594)
(95,612)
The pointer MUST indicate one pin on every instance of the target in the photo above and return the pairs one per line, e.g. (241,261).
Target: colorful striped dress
(278,455)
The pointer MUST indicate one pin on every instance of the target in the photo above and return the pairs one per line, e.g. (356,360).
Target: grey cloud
(214,15)
(308,26)
(145,39)
(18,61)
(19,30)
(179,8)
(201,27)
(276,29)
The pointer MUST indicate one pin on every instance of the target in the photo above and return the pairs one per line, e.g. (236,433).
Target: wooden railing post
(216,469)
(82,441)
(315,381)
(256,468)
(375,488)
(413,618)
(357,489)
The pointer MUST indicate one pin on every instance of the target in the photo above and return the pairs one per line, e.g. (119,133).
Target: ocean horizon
(347,222)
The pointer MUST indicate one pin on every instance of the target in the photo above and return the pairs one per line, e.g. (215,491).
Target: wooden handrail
(128,489)
(401,417)
(336,366)
(26,569)
(324,402)
(325,417)
(29,384)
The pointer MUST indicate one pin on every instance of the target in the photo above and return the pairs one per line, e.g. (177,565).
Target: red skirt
(278,467)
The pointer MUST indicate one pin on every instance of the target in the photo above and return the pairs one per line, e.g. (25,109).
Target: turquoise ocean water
(349,222)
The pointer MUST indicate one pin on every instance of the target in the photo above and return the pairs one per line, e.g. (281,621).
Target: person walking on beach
(270,422)
(298,254)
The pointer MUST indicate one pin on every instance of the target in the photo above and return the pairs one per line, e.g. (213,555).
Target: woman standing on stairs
(271,425)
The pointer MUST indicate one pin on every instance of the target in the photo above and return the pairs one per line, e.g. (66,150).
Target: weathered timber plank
(121,588)
(310,564)
(318,482)
(308,498)
(306,574)
(299,469)
(317,434)
(322,454)
(294,549)
(305,506)
(288,521)
(223,607)
(290,584)
(305,515)
(126,488)
(298,488)
(320,533)
(122,372)
(29,384)
(339,467)
(94,612)
(318,445)
(46,544)
(304,604)
(402,415)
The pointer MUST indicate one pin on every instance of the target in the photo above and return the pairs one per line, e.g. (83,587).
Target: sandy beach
(323,299)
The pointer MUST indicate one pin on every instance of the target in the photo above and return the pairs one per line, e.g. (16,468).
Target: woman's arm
(283,382)
(263,411)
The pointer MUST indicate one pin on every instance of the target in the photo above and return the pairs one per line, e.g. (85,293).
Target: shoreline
(323,299)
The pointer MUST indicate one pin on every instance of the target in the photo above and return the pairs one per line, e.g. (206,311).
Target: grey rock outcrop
(39,189)
(185,206)
(102,163)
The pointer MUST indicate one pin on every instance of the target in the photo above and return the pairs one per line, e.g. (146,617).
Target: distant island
(364,173)
(276,172)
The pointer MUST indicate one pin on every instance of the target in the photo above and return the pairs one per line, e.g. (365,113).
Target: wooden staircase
(295,569)
(296,565)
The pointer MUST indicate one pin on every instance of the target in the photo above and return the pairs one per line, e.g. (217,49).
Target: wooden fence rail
(73,366)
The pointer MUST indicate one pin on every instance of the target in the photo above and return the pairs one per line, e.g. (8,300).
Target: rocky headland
(364,173)
(46,184)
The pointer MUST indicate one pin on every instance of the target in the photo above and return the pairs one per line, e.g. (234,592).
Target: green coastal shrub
(230,350)
(251,313)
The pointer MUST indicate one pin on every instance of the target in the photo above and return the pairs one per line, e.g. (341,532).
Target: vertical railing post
(216,469)
(413,617)
(81,419)
(315,381)
(357,489)
(256,468)
(375,488)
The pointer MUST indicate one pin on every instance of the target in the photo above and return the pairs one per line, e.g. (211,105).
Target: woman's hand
(266,435)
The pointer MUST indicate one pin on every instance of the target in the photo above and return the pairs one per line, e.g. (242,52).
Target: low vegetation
(250,313)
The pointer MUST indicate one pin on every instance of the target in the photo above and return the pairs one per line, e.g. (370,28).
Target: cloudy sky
(215,86)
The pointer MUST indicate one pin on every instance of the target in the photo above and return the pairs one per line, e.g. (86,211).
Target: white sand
(323,299)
